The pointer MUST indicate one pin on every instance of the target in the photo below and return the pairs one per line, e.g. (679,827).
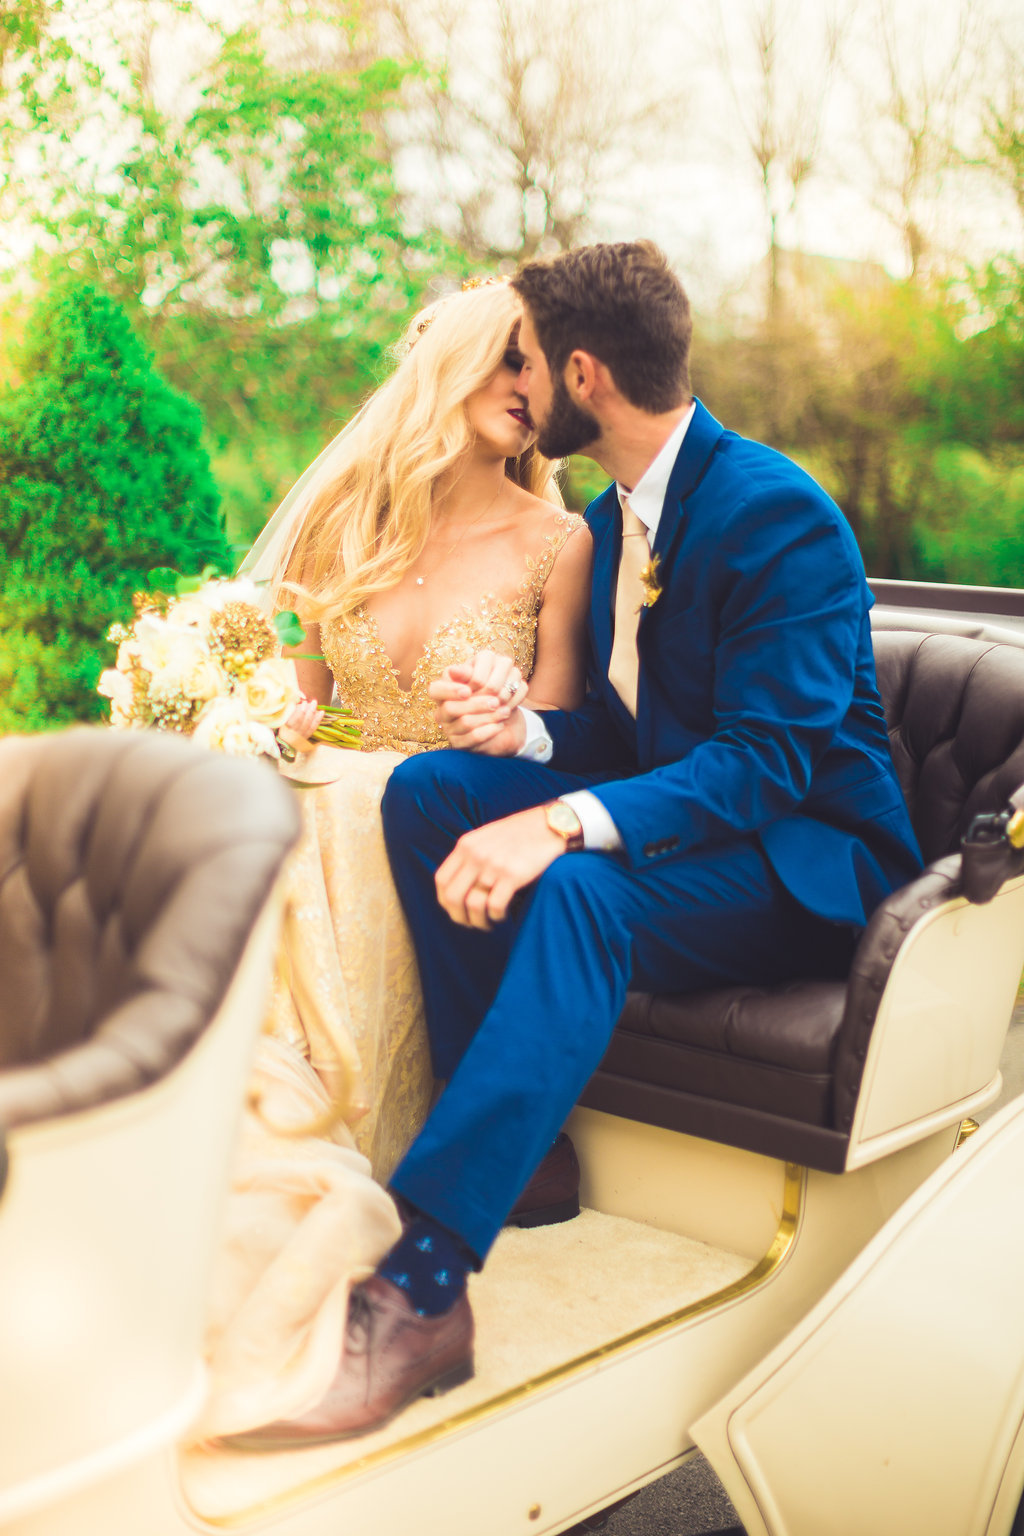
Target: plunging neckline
(464,610)
(400,718)
(486,604)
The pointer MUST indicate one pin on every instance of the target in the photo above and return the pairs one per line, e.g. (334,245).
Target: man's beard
(567,427)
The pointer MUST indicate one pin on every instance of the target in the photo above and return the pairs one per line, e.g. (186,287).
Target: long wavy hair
(367,513)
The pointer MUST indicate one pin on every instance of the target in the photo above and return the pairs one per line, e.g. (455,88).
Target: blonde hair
(367,514)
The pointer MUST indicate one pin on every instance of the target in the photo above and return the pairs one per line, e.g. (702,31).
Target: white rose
(189,612)
(206,679)
(113,685)
(271,691)
(224,726)
(168,652)
(217,594)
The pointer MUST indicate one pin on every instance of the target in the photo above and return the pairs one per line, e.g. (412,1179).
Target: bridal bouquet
(201,659)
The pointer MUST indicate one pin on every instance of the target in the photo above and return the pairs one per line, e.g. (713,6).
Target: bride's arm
(559,671)
(560,667)
(314,677)
(316,680)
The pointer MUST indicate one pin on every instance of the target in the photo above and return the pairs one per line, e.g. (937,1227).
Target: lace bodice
(402,719)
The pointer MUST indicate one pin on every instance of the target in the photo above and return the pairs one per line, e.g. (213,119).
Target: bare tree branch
(527,113)
(779,78)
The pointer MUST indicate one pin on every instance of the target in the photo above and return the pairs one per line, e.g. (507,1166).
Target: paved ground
(692,1502)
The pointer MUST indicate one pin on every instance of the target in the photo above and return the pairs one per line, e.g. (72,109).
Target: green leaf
(162,578)
(289,630)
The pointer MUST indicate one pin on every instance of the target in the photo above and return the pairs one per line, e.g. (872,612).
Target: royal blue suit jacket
(758,712)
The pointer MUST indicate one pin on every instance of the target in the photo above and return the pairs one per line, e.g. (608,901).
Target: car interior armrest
(873,961)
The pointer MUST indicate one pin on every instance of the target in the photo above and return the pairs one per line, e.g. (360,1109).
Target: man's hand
(487,866)
(478,705)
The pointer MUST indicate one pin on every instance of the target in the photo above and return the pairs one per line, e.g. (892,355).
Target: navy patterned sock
(430,1264)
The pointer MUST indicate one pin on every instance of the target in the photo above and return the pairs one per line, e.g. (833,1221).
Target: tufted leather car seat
(132,869)
(778,1070)
(138,921)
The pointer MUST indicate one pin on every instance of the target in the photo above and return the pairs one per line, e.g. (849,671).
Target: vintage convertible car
(784,1259)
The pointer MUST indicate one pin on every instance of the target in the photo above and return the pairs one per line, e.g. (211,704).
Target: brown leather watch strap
(561,818)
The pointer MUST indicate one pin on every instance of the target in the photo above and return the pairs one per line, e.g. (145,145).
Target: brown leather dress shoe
(391,1356)
(553,1194)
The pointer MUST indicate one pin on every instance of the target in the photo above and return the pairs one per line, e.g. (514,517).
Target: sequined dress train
(344,1058)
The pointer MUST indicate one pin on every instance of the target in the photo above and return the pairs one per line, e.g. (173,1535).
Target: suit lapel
(691,465)
(605,525)
(698,446)
(605,521)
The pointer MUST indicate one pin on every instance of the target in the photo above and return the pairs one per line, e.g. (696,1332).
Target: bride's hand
(493,674)
(300,725)
(478,705)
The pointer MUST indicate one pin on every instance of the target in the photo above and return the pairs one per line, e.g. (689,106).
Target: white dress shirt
(647,499)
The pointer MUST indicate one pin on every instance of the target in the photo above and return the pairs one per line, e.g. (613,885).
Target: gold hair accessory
(471,283)
(494,280)
(651,584)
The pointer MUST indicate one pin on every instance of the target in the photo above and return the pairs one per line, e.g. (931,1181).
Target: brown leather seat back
(955,709)
(778,1069)
(132,868)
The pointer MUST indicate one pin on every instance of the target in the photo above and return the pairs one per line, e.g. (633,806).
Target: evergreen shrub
(102,478)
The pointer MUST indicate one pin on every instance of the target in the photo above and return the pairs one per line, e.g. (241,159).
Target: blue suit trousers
(520,1017)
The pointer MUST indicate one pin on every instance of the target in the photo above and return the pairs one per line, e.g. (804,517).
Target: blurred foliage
(581,481)
(907,403)
(243,218)
(971,519)
(249,220)
(102,477)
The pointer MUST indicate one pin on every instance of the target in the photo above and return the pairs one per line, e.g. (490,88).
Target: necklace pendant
(419,581)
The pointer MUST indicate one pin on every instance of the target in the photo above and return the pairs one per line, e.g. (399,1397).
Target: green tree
(830,388)
(905,402)
(102,477)
(243,209)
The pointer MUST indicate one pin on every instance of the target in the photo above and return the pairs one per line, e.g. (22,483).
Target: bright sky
(694,186)
(706,206)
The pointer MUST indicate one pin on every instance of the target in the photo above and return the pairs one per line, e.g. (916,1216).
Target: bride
(430,533)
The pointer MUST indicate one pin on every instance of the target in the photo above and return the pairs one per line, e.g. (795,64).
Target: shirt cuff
(599,831)
(538,746)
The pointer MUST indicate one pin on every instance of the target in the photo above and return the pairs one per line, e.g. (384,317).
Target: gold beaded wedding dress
(343,1063)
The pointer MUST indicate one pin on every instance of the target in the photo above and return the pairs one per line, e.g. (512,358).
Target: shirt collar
(647,498)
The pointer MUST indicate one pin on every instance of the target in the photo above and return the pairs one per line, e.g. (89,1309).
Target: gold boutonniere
(651,584)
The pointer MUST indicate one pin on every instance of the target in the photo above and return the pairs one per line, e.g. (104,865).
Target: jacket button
(650,850)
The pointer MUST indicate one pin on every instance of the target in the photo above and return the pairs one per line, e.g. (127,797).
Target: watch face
(563,819)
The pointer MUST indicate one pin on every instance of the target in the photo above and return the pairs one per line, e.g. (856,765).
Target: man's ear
(585,375)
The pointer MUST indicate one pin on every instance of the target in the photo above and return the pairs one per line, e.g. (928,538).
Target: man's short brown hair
(623,304)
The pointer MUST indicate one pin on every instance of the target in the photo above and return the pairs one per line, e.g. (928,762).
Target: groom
(722,808)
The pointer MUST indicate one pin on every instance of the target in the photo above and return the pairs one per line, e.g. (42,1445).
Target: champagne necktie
(624,667)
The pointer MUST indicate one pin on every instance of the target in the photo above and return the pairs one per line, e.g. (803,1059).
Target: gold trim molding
(792,1202)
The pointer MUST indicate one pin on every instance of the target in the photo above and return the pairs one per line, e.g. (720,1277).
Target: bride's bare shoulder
(546,519)
(559,550)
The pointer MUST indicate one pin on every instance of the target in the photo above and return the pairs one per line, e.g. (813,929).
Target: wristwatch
(561,818)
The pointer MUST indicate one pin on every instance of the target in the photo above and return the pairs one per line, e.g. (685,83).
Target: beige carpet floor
(546,1298)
